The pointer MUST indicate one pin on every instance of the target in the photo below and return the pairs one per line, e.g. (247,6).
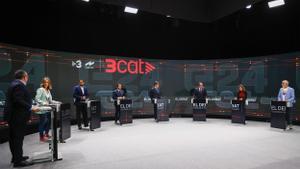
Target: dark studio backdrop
(262,77)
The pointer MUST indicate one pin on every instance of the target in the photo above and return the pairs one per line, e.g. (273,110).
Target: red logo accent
(132,66)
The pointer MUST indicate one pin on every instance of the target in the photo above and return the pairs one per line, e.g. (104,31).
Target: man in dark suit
(155,93)
(199,92)
(17,111)
(118,94)
(80,95)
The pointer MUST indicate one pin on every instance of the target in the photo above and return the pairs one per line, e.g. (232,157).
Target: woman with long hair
(44,97)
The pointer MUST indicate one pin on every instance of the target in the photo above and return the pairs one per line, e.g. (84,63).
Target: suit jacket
(77,94)
(42,97)
(289,96)
(18,103)
(199,94)
(118,93)
(154,94)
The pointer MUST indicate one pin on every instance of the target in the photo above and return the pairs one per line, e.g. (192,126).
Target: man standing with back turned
(17,111)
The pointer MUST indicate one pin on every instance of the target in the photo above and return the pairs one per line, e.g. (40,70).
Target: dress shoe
(24,158)
(23,164)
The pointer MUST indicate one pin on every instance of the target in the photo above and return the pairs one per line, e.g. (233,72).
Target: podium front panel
(199,109)
(238,114)
(125,111)
(65,122)
(162,113)
(95,113)
(278,114)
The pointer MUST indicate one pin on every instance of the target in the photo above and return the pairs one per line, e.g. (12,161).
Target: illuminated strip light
(276,3)
(131,10)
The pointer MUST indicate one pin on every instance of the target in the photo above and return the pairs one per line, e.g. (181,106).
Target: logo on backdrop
(132,66)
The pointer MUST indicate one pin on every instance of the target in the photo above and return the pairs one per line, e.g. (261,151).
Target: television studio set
(150,84)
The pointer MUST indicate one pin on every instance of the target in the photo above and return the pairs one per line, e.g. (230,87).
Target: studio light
(276,3)
(131,10)
(248,6)
(86,0)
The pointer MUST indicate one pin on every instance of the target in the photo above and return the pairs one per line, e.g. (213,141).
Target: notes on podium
(199,109)
(278,112)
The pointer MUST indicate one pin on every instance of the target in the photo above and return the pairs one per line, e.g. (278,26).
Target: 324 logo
(132,66)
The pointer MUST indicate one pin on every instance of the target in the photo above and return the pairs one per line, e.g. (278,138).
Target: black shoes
(23,164)
(24,158)
(79,127)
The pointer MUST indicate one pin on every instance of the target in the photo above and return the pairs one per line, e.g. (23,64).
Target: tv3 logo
(132,66)
(78,64)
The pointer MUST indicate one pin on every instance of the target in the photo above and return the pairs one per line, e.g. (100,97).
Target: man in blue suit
(199,92)
(80,95)
(287,94)
(155,93)
(118,93)
(17,111)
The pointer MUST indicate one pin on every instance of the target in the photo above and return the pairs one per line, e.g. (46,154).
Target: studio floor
(177,144)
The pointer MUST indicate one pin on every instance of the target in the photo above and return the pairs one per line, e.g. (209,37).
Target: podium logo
(125,106)
(199,105)
(278,108)
(160,105)
(132,66)
(235,106)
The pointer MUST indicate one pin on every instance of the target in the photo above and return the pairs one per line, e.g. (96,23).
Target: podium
(53,154)
(238,114)
(94,110)
(199,109)
(65,122)
(162,114)
(278,114)
(125,111)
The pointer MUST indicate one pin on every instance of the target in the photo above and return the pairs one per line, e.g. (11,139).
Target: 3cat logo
(132,66)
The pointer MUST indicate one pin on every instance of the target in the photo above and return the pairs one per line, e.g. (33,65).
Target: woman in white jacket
(44,97)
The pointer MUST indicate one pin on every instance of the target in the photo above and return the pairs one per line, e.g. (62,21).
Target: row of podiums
(238,113)
(278,111)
